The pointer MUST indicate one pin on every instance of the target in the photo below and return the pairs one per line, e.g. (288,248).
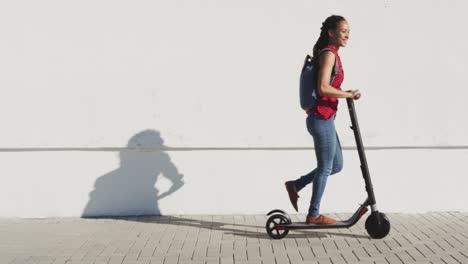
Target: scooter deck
(300,225)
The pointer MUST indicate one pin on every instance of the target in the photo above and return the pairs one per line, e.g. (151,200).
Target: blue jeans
(329,159)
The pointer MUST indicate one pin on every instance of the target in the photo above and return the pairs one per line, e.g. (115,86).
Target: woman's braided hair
(330,24)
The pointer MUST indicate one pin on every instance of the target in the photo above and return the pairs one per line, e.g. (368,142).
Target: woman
(320,120)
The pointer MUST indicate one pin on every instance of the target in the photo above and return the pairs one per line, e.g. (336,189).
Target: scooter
(377,224)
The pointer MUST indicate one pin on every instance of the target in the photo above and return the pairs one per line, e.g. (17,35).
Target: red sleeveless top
(326,107)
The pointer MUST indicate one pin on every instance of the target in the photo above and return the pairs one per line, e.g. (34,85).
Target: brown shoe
(320,220)
(292,192)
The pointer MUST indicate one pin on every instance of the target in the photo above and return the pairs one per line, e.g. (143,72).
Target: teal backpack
(308,92)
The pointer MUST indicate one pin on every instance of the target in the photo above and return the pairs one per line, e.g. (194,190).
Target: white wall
(93,93)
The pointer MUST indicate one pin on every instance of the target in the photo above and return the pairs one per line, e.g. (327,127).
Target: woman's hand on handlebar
(354,94)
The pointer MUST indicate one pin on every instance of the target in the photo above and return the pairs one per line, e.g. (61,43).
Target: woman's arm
(327,62)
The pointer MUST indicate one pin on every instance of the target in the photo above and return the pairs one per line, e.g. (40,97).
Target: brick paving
(439,237)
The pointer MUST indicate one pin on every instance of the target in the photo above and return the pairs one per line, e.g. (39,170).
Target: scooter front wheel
(377,225)
(272,228)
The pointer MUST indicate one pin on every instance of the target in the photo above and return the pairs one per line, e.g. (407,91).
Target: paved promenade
(414,238)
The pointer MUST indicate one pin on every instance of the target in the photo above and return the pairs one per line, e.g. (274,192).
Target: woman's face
(340,36)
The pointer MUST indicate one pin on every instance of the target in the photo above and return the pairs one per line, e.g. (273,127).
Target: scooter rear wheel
(377,225)
(272,223)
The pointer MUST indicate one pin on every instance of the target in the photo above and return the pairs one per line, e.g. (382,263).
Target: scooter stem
(362,155)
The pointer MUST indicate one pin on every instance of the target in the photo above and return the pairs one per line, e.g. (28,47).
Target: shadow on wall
(130,189)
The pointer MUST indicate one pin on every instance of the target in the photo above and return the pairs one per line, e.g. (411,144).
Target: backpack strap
(335,68)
